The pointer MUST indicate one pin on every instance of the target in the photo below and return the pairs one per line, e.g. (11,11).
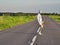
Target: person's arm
(38,19)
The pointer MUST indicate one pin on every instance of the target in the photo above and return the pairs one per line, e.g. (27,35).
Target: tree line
(16,14)
(24,14)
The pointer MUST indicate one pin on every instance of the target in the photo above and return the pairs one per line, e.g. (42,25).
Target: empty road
(23,34)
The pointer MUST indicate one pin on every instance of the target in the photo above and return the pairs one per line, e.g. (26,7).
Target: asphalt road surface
(19,35)
(23,34)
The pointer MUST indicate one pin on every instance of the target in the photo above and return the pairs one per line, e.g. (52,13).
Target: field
(11,21)
(55,17)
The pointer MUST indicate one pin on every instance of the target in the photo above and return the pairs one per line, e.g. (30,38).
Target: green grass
(10,21)
(55,17)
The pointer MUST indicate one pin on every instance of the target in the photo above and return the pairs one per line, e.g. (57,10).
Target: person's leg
(42,25)
(40,31)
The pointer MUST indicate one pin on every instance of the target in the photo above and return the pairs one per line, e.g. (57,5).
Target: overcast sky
(30,5)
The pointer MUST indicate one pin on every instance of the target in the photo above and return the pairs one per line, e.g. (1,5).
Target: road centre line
(34,38)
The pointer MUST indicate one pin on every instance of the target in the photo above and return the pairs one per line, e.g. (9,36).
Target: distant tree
(1,14)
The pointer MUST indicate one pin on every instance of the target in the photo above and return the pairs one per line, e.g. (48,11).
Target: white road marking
(33,40)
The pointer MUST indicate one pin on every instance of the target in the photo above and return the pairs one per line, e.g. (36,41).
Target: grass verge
(55,17)
(10,21)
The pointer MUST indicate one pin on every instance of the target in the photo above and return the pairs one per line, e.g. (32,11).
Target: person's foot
(40,33)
